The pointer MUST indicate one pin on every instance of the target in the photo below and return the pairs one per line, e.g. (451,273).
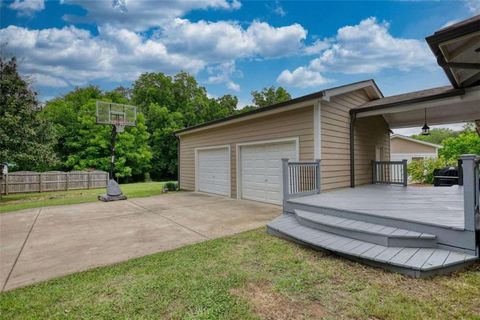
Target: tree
(85,144)
(467,142)
(269,96)
(437,135)
(25,139)
(170,104)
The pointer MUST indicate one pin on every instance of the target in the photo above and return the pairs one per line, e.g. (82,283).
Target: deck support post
(319,182)
(470,190)
(405,172)
(285,180)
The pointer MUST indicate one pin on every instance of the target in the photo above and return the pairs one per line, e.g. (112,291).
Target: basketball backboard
(119,115)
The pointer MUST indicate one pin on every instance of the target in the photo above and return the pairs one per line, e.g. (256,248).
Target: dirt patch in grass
(270,305)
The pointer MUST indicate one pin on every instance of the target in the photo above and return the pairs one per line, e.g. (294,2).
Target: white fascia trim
(370,88)
(470,95)
(399,136)
(238,158)
(317,130)
(224,146)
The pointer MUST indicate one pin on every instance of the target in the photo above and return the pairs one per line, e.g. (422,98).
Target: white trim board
(225,146)
(238,156)
(317,130)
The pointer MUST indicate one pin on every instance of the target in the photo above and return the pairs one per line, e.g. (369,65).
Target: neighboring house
(402,147)
(340,137)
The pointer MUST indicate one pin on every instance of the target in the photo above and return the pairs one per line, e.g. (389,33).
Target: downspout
(178,161)
(353,117)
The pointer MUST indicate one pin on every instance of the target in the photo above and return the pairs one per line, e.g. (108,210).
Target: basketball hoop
(118,116)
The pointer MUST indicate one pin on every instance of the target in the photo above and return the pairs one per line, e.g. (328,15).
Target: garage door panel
(261,168)
(214,171)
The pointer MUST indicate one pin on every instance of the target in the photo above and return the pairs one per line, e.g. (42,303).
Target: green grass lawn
(15,202)
(248,276)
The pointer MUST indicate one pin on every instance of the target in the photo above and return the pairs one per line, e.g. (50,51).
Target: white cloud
(473,6)
(223,73)
(278,9)
(301,78)
(140,15)
(449,23)
(227,40)
(317,47)
(43,80)
(27,7)
(364,48)
(74,56)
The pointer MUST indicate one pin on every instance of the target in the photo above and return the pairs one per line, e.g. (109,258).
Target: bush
(171,186)
(421,171)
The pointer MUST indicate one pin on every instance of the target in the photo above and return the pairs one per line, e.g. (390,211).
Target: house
(292,152)
(402,147)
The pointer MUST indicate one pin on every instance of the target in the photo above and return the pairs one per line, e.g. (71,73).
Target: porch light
(425,128)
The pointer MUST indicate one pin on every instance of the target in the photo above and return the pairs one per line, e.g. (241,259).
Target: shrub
(422,170)
(171,186)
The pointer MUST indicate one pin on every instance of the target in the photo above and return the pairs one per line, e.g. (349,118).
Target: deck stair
(409,252)
(370,232)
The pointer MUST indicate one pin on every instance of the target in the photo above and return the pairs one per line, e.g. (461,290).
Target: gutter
(452,93)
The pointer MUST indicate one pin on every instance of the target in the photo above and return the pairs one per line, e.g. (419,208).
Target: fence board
(31,181)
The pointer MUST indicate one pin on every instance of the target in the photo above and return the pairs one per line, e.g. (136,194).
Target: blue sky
(231,46)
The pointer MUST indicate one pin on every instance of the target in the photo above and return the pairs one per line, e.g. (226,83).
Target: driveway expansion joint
(21,250)
(169,219)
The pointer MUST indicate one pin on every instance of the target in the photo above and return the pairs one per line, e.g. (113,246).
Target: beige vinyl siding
(370,132)
(290,124)
(399,145)
(335,141)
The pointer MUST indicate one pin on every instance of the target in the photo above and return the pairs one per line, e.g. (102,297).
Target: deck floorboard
(441,206)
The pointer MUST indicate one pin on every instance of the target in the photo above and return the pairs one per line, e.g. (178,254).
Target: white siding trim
(317,129)
(225,146)
(238,161)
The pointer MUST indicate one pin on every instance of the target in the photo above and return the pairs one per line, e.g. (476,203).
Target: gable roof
(456,48)
(399,136)
(409,97)
(369,85)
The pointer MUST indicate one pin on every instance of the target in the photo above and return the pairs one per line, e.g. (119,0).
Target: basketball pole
(112,152)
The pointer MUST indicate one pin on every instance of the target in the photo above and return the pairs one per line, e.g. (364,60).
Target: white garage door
(214,171)
(261,170)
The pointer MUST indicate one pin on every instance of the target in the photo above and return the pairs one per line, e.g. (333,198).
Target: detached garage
(240,156)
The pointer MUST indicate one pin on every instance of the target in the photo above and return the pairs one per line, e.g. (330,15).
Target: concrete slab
(13,232)
(68,239)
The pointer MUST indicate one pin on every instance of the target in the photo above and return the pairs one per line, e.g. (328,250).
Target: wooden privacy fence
(30,181)
(300,178)
(390,172)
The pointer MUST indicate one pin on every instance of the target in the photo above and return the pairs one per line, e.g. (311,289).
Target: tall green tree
(25,139)
(437,135)
(269,96)
(467,142)
(169,104)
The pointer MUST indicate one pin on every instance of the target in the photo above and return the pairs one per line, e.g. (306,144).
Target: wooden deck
(417,231)
(438,206)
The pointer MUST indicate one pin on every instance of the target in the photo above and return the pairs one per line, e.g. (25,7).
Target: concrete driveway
(40,244)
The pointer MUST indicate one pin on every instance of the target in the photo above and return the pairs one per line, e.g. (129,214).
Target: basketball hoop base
(113,192)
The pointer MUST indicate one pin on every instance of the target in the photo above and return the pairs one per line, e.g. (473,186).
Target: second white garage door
(261,170)
(213,167)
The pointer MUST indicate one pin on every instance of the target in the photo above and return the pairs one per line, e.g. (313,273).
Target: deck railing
(390,172)
(471,191)
(300,178)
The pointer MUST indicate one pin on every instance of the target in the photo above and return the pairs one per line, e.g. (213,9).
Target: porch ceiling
(440,109)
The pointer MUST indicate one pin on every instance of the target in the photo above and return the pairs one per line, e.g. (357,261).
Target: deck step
(360,230)
(416,262)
